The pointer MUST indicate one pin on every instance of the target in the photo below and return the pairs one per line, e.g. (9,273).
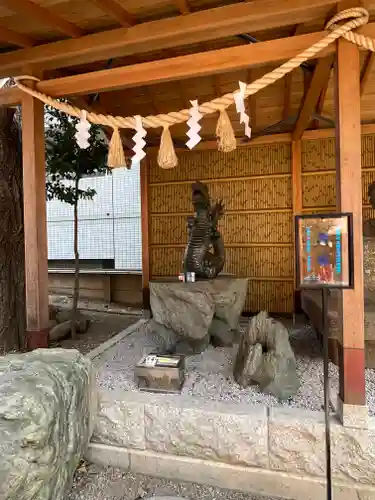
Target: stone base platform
(276,452)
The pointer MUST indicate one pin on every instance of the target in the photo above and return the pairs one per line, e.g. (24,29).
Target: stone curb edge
(244,479)
(114,340)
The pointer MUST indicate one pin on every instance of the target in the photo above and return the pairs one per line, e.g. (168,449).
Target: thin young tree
(66,165)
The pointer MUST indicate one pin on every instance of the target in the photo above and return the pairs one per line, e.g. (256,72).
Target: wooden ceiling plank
(201,26)
(182,67)
(115,10)
(318,82)
(15,38)
(368,67)
(35,11)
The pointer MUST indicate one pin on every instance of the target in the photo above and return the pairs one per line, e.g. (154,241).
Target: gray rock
(60,331)
(189,308)
(266,357)
(82,323)
(46,399)
(189,347)
(248,364)
(166,338)
(182,307)
(221,333)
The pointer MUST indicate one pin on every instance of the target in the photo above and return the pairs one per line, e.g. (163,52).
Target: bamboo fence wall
(255,185)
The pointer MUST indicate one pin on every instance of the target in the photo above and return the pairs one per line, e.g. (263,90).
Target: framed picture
(324,250)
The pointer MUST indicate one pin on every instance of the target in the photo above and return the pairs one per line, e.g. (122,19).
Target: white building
(109,225)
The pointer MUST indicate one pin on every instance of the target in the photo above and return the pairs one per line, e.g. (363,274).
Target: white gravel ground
(209,375)
(99,483)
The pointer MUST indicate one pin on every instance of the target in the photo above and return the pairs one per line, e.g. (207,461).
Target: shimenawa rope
(167,158)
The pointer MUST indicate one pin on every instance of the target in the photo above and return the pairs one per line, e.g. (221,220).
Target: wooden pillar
(349,199)
(36,251)
(145,234)
(296,203)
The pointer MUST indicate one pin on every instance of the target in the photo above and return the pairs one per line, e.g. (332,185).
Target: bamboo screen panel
(255,185)
(319,174)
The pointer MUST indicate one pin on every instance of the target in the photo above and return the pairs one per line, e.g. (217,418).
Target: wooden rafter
(115,10)
(15,38)
(320,104)
(318,82)
(366,71)
(36,12)
(172,32)
(183,6)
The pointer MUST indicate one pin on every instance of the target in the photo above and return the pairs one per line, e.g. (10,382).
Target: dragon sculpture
(204,254)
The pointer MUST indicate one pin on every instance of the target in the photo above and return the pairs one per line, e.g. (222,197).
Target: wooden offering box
(161,373)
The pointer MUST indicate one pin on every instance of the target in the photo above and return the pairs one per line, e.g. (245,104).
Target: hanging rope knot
(354,17)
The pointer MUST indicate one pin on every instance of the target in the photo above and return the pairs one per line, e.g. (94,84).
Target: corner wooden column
(349,199)
(36,250)
(145,234)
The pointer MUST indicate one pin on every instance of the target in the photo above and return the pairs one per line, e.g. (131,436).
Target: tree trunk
(12,251)
(76,265)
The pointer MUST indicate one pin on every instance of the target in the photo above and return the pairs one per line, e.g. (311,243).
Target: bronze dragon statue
(204,254)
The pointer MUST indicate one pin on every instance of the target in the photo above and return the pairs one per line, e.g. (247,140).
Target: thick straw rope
(354,18)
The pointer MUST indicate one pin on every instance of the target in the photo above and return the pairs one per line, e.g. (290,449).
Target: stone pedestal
(193,313)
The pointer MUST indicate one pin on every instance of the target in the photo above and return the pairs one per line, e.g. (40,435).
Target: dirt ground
(102,327)
(93,482)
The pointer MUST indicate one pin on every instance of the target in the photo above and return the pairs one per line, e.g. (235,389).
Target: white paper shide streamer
(239,98)
(83,131)
(194,127)
(138,138)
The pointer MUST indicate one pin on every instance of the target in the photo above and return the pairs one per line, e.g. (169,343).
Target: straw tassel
(225,133)
(116,156)
(167,157)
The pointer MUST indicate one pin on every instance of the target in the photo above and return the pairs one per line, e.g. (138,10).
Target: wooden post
(145,235)
(36,251)
(349,199)
(296,203)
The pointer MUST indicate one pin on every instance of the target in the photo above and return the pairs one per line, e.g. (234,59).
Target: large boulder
(189,309)
(47,406)
(265,357)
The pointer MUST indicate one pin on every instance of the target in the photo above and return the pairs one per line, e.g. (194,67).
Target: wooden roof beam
(182,67)
(200,26)
(115,10)
(45,16)
(15,38)
(318,82)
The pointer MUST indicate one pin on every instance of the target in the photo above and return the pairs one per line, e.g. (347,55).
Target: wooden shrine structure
(127,57)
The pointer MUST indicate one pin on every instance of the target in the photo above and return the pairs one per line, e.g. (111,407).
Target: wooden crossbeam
(183,67)
(115,10)
(15,38)
(36,12)
(318,82)
(198,27)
